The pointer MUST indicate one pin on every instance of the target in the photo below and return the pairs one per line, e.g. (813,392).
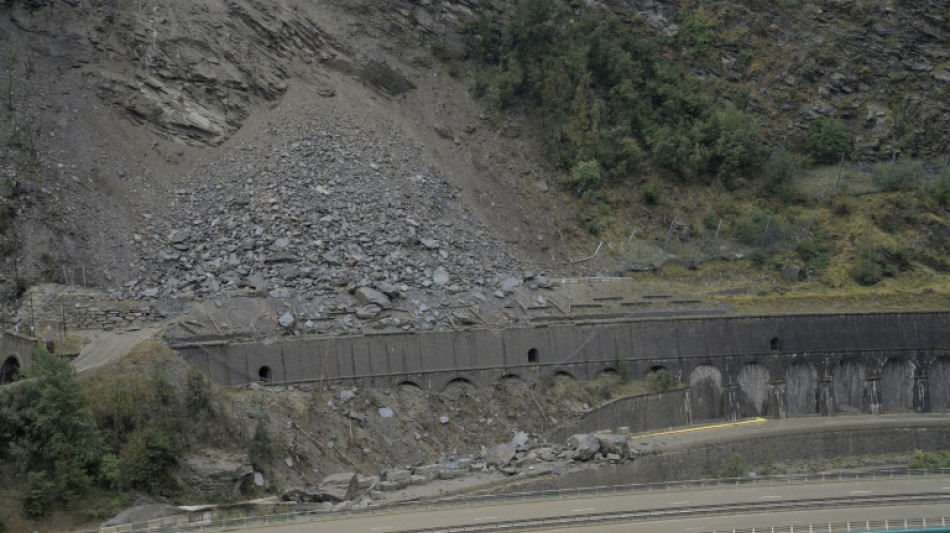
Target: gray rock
(346,395)
(501,454)
(440,277)
(509,285)
(585,446)
(366,296)
(792,273)
(611,443)
(398,474)
(338,488)
(287,320)
(443,420)
(215,472)
(368,312)
(386,412)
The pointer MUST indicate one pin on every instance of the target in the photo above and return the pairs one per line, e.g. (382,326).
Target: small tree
(733,468)
(830,140)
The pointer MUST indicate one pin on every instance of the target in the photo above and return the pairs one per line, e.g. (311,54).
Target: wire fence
(270,515)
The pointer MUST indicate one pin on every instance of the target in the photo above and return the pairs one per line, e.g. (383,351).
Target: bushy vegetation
(733,467)
(607,98)
(922,459)
(122,431)
(829,140)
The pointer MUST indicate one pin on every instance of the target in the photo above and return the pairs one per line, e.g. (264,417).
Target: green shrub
(733,468)
(661,380)
(39,498)
(147,462)
(695,30)
(829,140)
(586,176)
(929,460)
(779,170)
(813,254)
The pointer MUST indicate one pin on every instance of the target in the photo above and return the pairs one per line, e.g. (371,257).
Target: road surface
(666,499)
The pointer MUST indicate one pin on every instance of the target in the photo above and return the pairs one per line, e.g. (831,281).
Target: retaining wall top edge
(584,323)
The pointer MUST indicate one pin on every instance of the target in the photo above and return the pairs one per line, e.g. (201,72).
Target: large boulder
(366,296)
(215,473)
(585,446)
(338,488)
(501,454)
(611,443)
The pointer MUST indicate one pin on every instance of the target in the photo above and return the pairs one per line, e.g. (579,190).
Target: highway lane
(442,516)
(763,520)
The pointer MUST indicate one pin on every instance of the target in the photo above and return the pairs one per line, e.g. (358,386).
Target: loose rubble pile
(525,454)
(344,220)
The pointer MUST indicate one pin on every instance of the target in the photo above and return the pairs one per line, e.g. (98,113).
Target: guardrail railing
(175,525)
(908,524)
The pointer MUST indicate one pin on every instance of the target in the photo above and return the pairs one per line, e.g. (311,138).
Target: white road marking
(381,528)
(860,492)
(770,498)
(944,488)
(679,503)
(584,510)
(483,518)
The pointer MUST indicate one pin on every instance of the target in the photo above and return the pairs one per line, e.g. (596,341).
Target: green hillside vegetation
(86,446)
(687,164)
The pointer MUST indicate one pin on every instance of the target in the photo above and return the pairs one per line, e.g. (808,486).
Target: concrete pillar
(778,402)
(732,406)
(872,395)
(921,395)
(826,397)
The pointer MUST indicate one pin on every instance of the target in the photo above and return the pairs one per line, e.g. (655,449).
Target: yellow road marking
(703,428)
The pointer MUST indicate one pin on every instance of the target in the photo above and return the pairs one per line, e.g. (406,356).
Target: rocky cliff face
(173,149)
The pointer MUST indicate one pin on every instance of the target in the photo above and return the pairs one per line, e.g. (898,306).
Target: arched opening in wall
(510,384)
(533,356)
(408,395)
(408,384)
(938,379)
(897,385)
(458,387)
(801,389)
(264,374)
(9,370)
(849,379)
(753,390)
(705,393)
(775,344)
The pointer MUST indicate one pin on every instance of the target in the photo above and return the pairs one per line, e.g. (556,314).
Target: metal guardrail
(906,525)
(162,525)
(628,516)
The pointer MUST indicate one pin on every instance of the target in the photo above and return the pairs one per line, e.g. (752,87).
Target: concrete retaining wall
(738,366)
(638,413)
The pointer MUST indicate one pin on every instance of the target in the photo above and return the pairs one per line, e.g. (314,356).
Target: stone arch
(938,379)
(897,384)
(408,384)
(607,371)
(657,368)
(459,382)
(801,389)
(9,370)
(849,383)
(705,392)
(563,374)
(753,389)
